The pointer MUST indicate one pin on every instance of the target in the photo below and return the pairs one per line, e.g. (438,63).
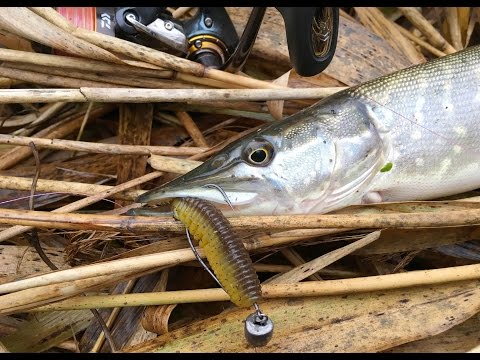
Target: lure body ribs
(223,248)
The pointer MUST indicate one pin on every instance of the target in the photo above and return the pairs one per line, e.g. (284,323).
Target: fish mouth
(221,192)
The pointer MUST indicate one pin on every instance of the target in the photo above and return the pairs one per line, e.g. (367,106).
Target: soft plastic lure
(223,248)
(230,262)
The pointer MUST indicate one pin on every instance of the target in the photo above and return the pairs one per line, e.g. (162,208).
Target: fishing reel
(210,38)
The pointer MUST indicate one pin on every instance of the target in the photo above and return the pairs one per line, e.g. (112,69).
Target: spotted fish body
(410,135)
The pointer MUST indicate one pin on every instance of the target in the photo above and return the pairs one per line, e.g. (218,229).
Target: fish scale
(438,155)
(410,135)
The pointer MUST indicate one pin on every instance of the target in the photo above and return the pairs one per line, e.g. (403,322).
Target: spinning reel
(210,38)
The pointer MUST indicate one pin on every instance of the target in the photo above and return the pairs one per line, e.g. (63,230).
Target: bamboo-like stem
(31,96)
(268,268)
(146,66)
(17,230)
(106,78)
(296,259)
(247,82)
(180,11)
(99,148)
(156,57)
(28,119)
(475,15)
(140,52)
(44,116)
(422,24)
(305,270)
(129,49)
(160,95)
(454,27)
(54,17)
(60,130)
(13,19)
(475,350)
(347,16)
(113,316)
(67,62)
(67,187)
(206,82)
(62,220)
(420,42)
(374,19)
(52,80)
(269,291)
(126,266)
(192,129)
(41,295)
(201,95)
(173,165)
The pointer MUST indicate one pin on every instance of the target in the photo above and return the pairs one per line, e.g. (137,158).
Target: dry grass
(401,253)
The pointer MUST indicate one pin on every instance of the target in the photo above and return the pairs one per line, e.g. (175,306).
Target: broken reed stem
(28,298)
(159,58)
(303,271)
(24,119)
(202,95)
(67,187)
(270,291)
(127,266)
(62,220)
(67,62)
(60,130)
(30,96)
(34,118)
(99,95)
(192,129)
(17,230)
(206,82)
(173,165)
(374,19)
(420,42)
(52,80)
(180,11)
(454,27)
(101,78)
(14,19)
(44,116)
(146,54)
(296,259)
(427,29)
(90,147)
(111,319)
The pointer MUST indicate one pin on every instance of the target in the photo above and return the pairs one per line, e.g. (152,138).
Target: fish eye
(258,156)
(258,152)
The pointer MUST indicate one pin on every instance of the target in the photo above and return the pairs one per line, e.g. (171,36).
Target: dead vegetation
(113,119)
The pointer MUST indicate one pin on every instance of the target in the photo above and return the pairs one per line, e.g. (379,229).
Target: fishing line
(49,193)
(474,150)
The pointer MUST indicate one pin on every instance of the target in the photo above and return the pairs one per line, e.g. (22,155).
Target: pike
(410,135)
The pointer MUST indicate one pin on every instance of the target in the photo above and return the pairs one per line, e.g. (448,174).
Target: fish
(410,135)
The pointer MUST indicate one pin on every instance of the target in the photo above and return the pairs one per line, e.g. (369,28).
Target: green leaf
(387,167)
